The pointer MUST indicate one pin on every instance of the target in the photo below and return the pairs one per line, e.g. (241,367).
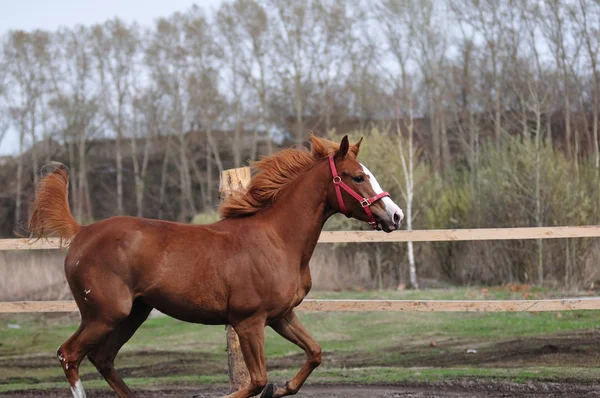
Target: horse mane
(273,174)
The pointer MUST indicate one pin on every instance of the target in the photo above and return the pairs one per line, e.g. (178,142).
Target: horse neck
(301,211)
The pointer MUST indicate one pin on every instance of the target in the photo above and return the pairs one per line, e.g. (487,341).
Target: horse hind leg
(103,355)
(76,347)
(100,315)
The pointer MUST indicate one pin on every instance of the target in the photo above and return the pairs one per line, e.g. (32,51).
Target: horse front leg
(252,343)
(291,329)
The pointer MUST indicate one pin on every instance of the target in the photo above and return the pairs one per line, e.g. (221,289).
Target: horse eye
(358,179)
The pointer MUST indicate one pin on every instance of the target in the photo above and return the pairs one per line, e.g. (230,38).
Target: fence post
(233,180)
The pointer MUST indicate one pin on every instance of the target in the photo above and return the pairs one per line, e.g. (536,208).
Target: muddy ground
(577,349)
(451,389)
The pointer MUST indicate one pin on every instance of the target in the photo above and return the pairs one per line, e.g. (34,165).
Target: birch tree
(406,150)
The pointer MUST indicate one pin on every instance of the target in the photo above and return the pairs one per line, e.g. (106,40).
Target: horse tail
(51,215)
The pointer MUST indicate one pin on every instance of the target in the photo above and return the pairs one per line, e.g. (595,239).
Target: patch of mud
(472,388)
(581,349)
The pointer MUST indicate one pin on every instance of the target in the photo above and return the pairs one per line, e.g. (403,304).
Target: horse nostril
(397,219)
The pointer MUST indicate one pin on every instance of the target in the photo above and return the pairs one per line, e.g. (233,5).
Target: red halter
(364,202)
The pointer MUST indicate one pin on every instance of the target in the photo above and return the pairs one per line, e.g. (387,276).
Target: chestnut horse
(248,270)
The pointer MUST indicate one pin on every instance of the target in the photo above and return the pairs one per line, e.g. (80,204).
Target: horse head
(356,193)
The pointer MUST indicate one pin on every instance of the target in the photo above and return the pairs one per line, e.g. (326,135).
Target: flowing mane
(272,174)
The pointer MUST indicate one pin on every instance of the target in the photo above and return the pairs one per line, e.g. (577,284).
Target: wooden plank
(22,244)
(9,307)
(437,235)
(425,235)
(567,304)
(571,304)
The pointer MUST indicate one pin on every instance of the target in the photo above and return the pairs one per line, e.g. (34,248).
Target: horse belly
(189,310)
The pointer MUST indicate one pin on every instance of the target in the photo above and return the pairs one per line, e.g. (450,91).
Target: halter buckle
(337,180)
(365,202)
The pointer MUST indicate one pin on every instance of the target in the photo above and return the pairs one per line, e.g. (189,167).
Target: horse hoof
(268,392)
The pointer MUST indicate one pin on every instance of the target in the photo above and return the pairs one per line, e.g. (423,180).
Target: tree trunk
(412,268)
(567,113)
(538,198)
(185,210)
(237,142)
(119,155)
(81,196)
(18,199)
(73,183)
(497,111)
(34,147)
(209,175)
(163,179)
(378,262)
(119,161)
(215,149)
(445,144)
(298,106)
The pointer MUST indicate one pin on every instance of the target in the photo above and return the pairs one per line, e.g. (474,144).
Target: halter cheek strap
(364,202)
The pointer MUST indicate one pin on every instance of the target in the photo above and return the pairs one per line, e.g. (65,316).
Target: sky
(51,14)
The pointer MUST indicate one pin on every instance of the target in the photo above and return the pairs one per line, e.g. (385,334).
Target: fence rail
(570,304)
(588,303)
(425,235)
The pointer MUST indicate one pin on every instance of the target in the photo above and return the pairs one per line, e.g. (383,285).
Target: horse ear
(344,146)
(355,149)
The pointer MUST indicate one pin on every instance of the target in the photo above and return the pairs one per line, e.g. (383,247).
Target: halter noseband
(364,202)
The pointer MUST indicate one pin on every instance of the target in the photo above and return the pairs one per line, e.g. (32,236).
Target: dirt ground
(463,389)
(579,349)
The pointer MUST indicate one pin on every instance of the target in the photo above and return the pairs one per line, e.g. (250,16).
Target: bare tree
(295,52)
(206,104)
(552,17)
(425,23)
(334,25)
(4,115)
(249,21)
(147,120)
(489,18)
(27,56)
(367,78)
(234,57)
(75,104)
(167,58)
(117,47)
(586,18)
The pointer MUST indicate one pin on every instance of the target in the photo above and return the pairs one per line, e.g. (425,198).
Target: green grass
(358,347)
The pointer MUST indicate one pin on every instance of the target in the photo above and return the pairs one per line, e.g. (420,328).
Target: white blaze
(391,207)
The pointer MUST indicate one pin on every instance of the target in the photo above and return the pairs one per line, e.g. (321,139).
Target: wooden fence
(381,305)
(237,179)
(428,235)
